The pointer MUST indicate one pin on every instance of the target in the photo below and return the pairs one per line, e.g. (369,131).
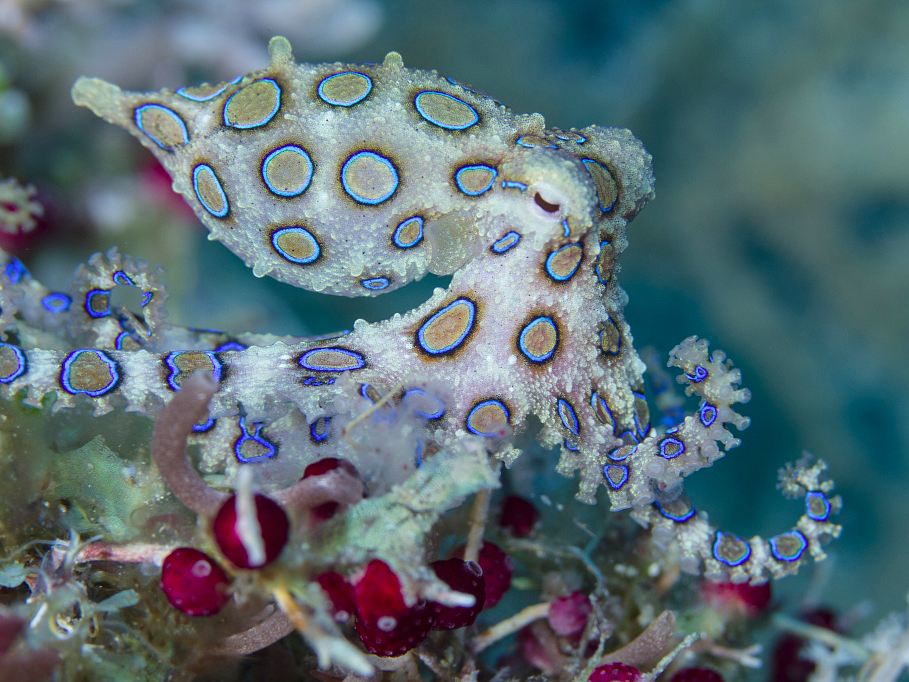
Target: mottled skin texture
(354,180)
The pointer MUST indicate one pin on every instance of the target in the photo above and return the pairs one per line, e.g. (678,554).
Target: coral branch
(188,406)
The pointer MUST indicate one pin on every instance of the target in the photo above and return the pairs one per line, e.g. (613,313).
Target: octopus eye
(545,205)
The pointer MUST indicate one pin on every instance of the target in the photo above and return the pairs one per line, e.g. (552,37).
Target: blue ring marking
(521,142)
(596,268)
(204,426)
(458,341)
(111,366)
(420,413)
(197,171)
(552,255)
(623,470)
(230,346)
(568,417)
(121,277)
(396,238)
(170,361)
(678,518)
(318,430)
(245,435)
(570,446)
(615,457)
(777,552)
(477,192)
(707,414)
(562,136)
(566,230)
(21,366)
(56,303)
(700,373)
(312,381)
(507,241)
(203,98)
(137,117)
(357,360)
(587,163)
(597,400)
(813,496)
(121,337)
(418,453)
(463,126)
(89,299)
(262,122)
(382,159)
(480,406)
(509,184)
(671,441)
(375,283)
(146,298)
(339,103)
(642,429)
(303,232)
(16,271)
(539,358)
(296,150)
(720,535)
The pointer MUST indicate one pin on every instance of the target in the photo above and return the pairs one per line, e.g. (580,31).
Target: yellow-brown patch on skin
(296,245)
(162,127)
(453,114)
(474,181)
(252,105)
(607,187)
(89,373)
(446,329)
(610,338)
(288,173)
(188,362)
(408,234)
(730,548)
(331,360)
(207,187)
(488,419)
(9,362)
(344,89)
(542,338)
(565,261)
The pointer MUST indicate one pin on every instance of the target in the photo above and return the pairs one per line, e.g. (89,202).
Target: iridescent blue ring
(22,363)
(375,283)
(73,357)
(778,554)
(299,151)
(615,467)
(137,118)
(245,435)
(396,238)
(387,163)
(56,303)
(734,562)
(476,192)
(505,242)
(567,416)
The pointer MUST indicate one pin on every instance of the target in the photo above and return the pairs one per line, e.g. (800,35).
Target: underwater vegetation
(338,497)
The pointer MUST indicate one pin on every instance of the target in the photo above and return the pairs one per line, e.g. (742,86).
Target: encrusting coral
(346,455)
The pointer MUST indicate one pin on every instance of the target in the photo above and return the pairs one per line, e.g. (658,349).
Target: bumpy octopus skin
(354,180)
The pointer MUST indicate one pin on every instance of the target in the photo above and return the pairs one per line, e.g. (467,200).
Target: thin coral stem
(478,516)
(174,425)
(275,627)
(509,625)
(334,486)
